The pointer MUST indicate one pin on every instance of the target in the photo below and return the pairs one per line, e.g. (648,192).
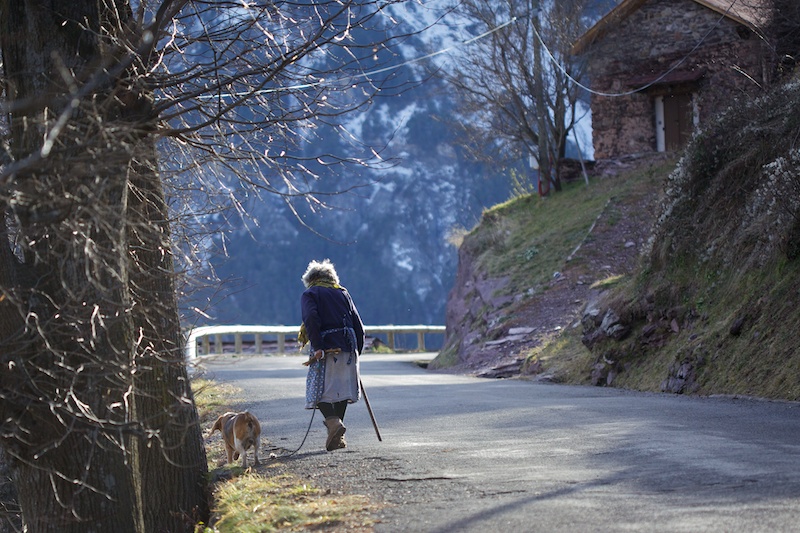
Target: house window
(676,117)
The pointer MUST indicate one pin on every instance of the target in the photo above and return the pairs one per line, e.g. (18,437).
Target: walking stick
(371,414)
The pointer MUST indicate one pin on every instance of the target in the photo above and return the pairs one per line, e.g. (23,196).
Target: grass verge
(258,501)
(255,503)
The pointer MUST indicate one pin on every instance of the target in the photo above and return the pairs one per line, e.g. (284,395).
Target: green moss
(445,359)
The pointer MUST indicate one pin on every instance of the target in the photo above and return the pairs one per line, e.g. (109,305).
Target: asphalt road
(467,454)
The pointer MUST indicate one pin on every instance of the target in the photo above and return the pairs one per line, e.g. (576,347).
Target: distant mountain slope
(387,236)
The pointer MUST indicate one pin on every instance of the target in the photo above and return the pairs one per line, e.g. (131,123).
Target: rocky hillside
(531,266)
(706,284)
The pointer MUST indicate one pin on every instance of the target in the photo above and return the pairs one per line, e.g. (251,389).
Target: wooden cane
(371,414)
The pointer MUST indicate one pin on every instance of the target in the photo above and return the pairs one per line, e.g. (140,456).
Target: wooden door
(678,120)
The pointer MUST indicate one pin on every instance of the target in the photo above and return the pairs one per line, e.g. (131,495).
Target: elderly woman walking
(332,326)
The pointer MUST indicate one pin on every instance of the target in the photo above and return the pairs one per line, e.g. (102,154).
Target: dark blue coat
(325,309)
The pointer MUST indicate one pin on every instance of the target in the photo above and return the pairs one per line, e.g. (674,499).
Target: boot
(335,433)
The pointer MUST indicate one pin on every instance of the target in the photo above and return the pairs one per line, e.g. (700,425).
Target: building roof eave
(755,15)
(616,15)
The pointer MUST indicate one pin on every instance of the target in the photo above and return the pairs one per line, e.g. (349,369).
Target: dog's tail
(217,426)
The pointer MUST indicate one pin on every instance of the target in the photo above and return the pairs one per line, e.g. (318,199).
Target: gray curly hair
(320,270)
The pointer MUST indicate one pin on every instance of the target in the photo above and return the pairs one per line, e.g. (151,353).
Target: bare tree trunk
(173,466)
(70,427)
(97,397)
(545,164)
(51,501)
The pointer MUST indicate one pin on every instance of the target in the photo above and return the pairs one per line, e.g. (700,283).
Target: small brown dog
(240,431)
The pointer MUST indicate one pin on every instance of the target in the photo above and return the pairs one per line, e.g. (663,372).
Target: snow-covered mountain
(388,237)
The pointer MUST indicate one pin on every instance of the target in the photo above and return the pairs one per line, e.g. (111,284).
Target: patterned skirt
(334,378)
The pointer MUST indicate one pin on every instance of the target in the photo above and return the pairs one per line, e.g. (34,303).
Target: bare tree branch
(514,102)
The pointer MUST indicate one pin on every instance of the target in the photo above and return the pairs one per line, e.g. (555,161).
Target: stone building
(659,68)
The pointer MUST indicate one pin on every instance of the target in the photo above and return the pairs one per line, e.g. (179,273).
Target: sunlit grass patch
(381,349)
(252,503)
(608,282)
(212,398)
(561,356)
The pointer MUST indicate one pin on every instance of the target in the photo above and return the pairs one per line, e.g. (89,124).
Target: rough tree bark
(173,465)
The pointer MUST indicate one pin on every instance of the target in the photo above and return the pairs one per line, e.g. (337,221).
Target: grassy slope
(528,238)
(724,260)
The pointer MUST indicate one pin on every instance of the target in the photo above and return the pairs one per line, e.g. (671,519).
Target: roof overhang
(755,14)
(616,15)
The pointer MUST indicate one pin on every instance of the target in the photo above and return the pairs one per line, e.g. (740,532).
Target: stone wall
(650,42)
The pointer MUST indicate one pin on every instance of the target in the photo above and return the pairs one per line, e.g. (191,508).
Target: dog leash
(308,430)
(291,453)
(311,423)
(313,411)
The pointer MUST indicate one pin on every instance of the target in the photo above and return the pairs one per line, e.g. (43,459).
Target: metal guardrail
(204,335)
